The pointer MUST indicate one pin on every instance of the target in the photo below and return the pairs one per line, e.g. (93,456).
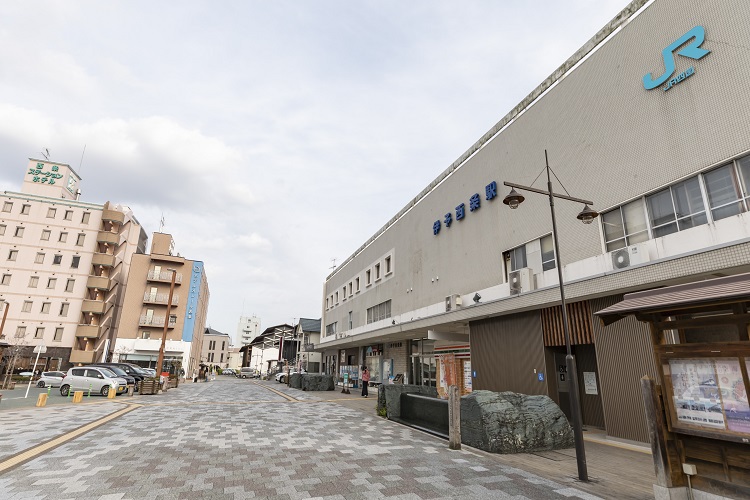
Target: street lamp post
(160,360)
(587,215)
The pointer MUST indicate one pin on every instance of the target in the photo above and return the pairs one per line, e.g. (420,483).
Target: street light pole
(160,360)
(587,215)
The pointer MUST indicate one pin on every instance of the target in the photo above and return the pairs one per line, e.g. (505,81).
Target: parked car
(132,370)
(95,378)
(50,379)
(246,372)
(150,371)
(120,373)
(228,371)
(281,376)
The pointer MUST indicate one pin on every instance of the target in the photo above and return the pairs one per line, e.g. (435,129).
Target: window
(368,276)
(343,292)
(388,265)
(351,289)
(337,297)
(45,307)
(80,240)
(222,358)
(46,234)
(19,231)
(26,306)
(58,334)
(357,282)
(85,218)
(33,281)
(723,188)
(327,302)
(39,332)
(70,285)
(379,312)
(146,335)
(25,209)
(13,255)
(351,321)
(7,206)
(331,329)
(63,237)
(625,225)
(76,260)
(518,258)
(676,208)
(223,345)
(377,272)
(20,332)
(5,280)
(548,253)
(57,259)
(68,215)
(52,283)
(211,345)
(210,357)
(2,229)
(64,309)
(39,258)
(51,212)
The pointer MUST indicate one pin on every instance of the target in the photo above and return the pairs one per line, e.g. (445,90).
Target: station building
(649,120)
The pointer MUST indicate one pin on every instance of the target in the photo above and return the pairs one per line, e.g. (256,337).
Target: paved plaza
(234,439)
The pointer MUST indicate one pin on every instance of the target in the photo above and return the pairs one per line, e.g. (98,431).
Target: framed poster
(695,394)
(589,383)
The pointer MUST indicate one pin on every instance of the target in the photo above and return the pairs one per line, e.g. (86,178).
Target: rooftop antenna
(45,153)
(161,223)
(80,163)
(333,262)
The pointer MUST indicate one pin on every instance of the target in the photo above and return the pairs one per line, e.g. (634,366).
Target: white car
(94,379)
(281,376)
(50,379)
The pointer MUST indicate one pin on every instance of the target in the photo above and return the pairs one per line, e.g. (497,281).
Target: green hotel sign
(44,176)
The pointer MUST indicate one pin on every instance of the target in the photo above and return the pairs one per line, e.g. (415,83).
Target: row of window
(212,360)
(46,235)
(710,196)
(34,282)
(517,256)
(379,312)
(51,212)
(212,345)
(28,305)
(40,257)
(21,332)
(372,275)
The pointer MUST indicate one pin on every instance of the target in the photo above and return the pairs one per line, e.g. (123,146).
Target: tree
(17,344)
(119,351)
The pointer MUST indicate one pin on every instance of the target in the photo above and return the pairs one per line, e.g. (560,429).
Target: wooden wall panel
(624,355)
(579,323)
(505,351)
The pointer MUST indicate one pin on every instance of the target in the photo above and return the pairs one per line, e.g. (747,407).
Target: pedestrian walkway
(234,439)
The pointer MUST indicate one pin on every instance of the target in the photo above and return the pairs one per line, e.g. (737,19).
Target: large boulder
(393,394)
(314,382)
(507,422)
(295,380)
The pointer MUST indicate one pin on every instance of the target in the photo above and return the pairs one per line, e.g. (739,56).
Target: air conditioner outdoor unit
(452,302)
(629,256)
(521,280)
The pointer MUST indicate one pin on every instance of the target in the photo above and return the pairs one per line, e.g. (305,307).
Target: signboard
(467,375)
(692,50)
(589,383)
(40,349)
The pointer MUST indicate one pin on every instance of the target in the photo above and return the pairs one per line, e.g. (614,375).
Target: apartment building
(458,288)
(215,351)
(247,329)
(64,265)
(148,313)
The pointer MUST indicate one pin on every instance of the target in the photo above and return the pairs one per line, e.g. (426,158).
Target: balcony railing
(103,259)
(165,276)
(87,331)
(160,298)
(107,237)
(99,282)
(308,347)
(82,356)
(156,321)
(113,215)
(92,306)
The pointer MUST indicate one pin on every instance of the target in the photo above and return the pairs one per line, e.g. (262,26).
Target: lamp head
(513,199)
(477,298)
(587,215)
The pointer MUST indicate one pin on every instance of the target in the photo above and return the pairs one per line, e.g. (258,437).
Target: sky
(272,136)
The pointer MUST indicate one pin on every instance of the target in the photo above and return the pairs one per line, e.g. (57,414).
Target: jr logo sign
(693,50)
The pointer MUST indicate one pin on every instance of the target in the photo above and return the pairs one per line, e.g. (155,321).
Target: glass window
(68,215)
(63,237)
(518,258)
(723,192)
(45,307)
(85,217)
(58,334)
(39,258)
(76,260)
(39,332)
(548,253)
(33,281)
(625,225)
(70,285)
(51,212)
(25,209)
(2,229)
(20,331)
(64,309)
(19,231)
(13,255)
(5,279)
(26,306)
(46,234)
(7,206)
(57,259)
(81,238)
(51,283)
(676,208)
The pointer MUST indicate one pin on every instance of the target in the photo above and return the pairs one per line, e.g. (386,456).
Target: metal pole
(569,359)
(5,315)
(32,374)
(160,360)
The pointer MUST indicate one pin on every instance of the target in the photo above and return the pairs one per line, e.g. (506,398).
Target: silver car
(50,379)
(93,378)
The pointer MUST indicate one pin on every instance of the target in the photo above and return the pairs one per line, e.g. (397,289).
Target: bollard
(89,391)
(70,392)
(131,390)
(78,397)
(49,390)
(42,399)
(454,418)
(111,393)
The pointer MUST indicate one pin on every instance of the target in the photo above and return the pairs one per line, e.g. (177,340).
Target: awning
(729,289)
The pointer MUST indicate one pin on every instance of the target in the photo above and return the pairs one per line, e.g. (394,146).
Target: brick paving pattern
(212,441)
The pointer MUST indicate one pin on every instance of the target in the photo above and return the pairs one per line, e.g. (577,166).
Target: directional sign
(40,349)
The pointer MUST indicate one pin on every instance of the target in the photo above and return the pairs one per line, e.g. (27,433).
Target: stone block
(315,382)
(393,396)
(295,381)
(507,422)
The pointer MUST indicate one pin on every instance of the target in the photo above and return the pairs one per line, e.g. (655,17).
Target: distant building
(247,329)
(309,331)
(65,265)
(145,309)
(215,350)
(235,358)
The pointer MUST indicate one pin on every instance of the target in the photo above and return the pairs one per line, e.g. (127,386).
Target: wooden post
(42,399)
(78,396)
(454,418)
(112,393)
(656,432)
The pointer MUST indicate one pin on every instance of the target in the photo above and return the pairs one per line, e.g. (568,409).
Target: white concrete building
(247,329)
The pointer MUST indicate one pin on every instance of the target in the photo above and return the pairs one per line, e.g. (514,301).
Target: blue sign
(540,376)
(490,191)
(693,50)
(474,374)
(191,308)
